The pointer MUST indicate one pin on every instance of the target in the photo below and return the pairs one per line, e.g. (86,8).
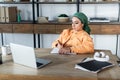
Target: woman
(76,40)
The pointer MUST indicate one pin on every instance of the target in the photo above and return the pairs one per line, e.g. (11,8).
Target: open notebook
(92,65)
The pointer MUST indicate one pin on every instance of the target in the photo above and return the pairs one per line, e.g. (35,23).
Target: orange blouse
(79,42)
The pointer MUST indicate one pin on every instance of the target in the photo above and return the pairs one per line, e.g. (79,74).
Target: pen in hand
(62,48)
(60,45)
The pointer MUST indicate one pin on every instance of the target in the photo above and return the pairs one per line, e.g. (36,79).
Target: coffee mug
(5,50)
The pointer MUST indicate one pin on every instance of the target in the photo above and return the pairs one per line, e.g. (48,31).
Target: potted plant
(63,18)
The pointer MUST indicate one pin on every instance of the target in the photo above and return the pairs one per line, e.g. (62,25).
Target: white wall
(118,51)
(54,10)
(25,39)
(101,10)
(0,40)
(47,40)
(106,42)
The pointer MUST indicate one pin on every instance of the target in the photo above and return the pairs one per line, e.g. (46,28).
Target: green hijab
(83,18)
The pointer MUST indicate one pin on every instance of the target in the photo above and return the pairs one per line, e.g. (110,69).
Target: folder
(2,14)
(11,14)
(92,65)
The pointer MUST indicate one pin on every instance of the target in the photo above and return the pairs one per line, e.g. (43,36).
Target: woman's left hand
(64,50)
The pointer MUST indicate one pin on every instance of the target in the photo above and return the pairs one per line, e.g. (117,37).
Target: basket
(63,19)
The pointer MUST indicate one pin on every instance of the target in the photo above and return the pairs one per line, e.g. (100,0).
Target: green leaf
(63,15)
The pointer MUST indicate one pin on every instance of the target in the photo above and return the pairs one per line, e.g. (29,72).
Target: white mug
(5,50)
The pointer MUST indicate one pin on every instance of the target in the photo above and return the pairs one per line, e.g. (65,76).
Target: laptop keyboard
(38,64)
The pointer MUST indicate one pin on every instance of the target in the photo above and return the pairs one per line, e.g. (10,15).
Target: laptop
(25,55)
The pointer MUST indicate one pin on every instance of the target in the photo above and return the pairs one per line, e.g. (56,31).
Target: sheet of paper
(55,50)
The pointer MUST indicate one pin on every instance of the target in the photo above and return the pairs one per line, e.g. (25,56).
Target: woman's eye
(75,23)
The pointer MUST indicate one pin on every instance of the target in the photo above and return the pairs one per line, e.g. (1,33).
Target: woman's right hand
(64,50)
(59,45)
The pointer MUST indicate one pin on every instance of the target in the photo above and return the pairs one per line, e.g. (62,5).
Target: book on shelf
(8,14)
(91,65)
(11,14)
(99,19)
(2,12)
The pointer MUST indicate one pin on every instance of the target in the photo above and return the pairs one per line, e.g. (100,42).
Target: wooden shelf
(44,28)
(56,2)
(101,2)
(57,28)
(94,2)
(15,2)
(6,28)
(22,28)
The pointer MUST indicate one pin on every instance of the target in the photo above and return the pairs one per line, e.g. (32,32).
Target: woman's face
(76,24)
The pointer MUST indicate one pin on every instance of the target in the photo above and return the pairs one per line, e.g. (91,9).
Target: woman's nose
(73,25)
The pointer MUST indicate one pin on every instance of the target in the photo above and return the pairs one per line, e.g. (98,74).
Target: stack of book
(8,14)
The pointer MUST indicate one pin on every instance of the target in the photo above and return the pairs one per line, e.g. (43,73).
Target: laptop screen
(23,55)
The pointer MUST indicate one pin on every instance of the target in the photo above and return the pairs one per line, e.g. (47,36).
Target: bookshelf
(54,27)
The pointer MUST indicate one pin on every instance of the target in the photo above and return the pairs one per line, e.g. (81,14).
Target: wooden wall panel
(22,28)
(57,28)
(6,28)
(95,29)
(110,29)
(60,28)
(44,29)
